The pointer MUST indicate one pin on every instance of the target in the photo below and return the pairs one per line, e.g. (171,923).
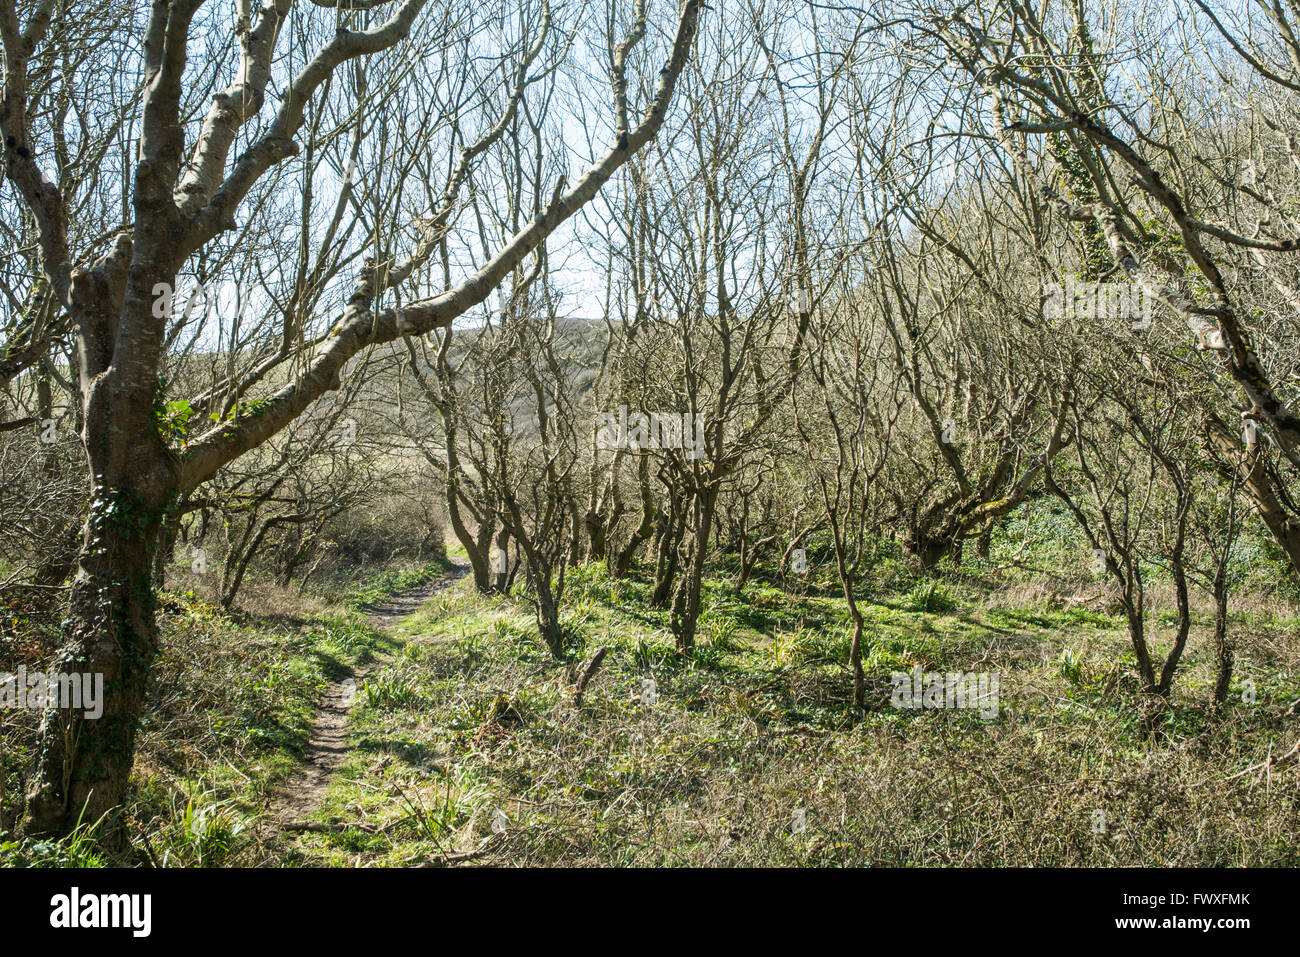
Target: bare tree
(190,179)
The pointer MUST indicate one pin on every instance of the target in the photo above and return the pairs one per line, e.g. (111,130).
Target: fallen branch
(17,424)
(458,858)
(1268,764)
(326,828)
(588,672)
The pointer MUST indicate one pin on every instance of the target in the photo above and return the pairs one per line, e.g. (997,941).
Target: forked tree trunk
(686,601)
(645,529)
(666,545)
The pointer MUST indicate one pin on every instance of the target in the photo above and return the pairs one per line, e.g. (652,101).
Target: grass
(375,590)
(465,739)
(233,700)
(758,725)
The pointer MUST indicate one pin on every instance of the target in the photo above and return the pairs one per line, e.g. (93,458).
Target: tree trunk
(84,765)
(167,545)
(476,549)
(1137,637)
(847,581)
(929,551)
(1184,622)
(548,614)
(1222,647)
(597,543)
(855,658)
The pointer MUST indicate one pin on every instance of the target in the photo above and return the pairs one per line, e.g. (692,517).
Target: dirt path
(328,747)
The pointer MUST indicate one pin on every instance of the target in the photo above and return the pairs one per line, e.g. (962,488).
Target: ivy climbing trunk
(84,764)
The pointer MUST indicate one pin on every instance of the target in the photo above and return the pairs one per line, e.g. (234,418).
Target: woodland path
(302,795)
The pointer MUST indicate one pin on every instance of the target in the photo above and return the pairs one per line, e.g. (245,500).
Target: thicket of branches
(272,264)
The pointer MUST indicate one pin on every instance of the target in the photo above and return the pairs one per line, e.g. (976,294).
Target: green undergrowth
(232,702)
(468,744)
